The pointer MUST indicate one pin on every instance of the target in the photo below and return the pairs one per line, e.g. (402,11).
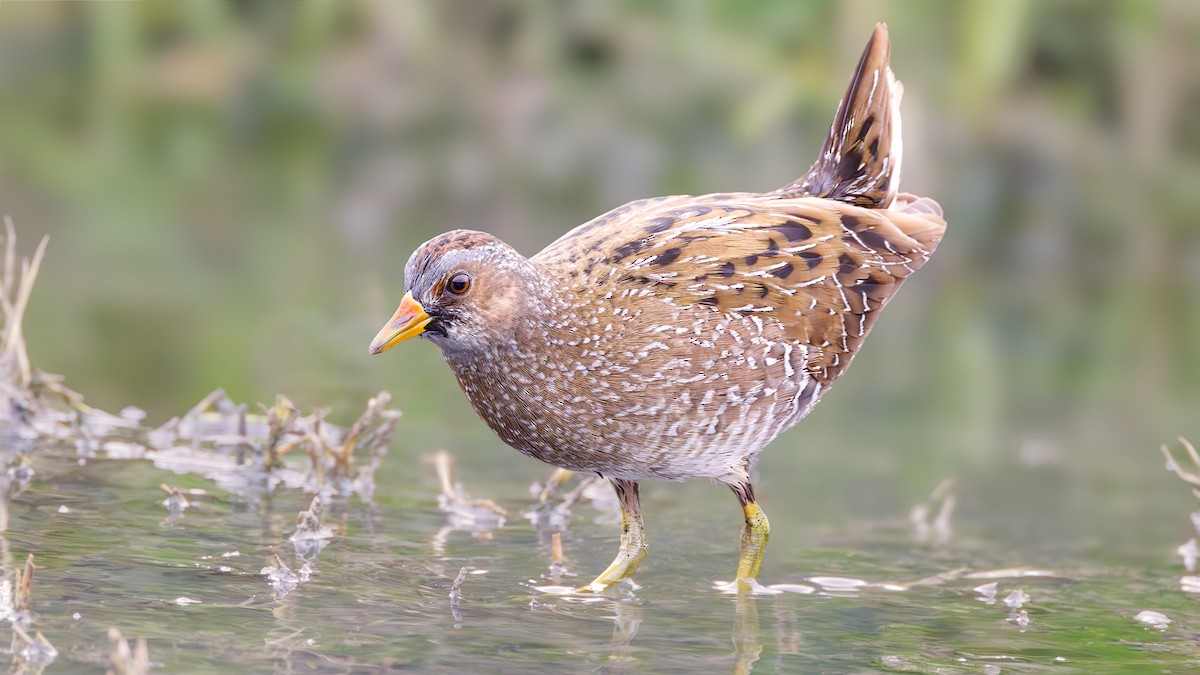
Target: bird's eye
(459,283)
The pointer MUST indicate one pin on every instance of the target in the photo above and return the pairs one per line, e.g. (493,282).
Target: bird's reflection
(747,634)
(788,637)
(627,618)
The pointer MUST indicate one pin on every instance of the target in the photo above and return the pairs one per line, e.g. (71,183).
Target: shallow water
(866,595)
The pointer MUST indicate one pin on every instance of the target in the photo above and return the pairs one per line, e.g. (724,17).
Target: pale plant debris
(217,438)
(543,492)
(467,512)
(558,562)
(20,384)
(15,475)
(124,660)
(247,453)
(1011,573)
(7,602)
(1152,619)
(463,512)
(16,602)
(931,517)
(310,537)
(1021,618)
(1188,477)
(34,652)
(456,594)
(176,502)
(20,612)
(281,577)
(25,392)
(16,285)
(894,662)
(1189,551)
(555,504)
(216,434)
(987,593)
(1016,599)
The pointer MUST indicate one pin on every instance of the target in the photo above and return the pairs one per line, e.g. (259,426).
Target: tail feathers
(860,160)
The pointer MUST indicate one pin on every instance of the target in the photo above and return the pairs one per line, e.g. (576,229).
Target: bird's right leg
(753,540)
(633,540)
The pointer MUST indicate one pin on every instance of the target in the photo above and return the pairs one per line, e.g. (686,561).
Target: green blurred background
(231,190)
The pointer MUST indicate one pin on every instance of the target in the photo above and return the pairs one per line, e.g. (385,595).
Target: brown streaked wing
(821,268)
(626,229)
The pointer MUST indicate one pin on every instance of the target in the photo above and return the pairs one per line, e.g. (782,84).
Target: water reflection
(464,513)
(747,634)
(627,619)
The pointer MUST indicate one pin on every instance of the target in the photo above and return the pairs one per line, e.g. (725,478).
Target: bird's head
(465,291)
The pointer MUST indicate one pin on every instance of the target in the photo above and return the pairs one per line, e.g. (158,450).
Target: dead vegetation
(28,653)
(126,661)
(1188,477)
(1189,551)
(243,453)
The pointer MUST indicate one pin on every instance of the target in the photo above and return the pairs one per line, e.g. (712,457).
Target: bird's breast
(642,391)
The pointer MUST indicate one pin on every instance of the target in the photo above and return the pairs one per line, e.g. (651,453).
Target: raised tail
(860,160)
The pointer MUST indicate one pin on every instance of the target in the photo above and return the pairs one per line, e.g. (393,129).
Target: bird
(673,338)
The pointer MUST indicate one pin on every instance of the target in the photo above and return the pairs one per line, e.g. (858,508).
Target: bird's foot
(600,586)
(596,589)
(744,585)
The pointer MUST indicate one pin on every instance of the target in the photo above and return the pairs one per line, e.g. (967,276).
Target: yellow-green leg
(753,540)
(633,541)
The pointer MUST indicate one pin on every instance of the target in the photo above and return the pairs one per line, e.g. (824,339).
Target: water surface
(865,594)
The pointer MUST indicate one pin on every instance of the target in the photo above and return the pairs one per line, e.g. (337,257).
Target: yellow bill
(409,321)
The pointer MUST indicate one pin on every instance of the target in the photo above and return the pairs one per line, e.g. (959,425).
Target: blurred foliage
(232,189)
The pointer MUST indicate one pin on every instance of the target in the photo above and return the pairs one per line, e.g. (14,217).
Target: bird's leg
(633,540)
(754,535)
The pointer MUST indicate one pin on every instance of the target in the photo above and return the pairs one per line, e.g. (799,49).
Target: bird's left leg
(633,540)
(754,536)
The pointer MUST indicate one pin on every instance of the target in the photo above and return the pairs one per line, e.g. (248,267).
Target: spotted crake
(674,337)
